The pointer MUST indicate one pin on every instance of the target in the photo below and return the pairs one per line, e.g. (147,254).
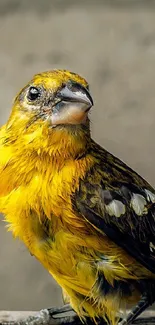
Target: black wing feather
(110,179)
(135,248)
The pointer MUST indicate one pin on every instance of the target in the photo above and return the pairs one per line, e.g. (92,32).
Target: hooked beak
(74,102)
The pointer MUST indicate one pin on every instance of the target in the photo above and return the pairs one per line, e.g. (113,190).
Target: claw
(58,311)
(136,311)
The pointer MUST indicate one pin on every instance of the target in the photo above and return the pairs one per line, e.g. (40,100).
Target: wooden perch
(58,316)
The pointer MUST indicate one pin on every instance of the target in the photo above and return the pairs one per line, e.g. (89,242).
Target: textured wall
(113,46)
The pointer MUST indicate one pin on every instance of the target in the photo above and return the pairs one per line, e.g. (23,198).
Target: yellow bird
(85,215)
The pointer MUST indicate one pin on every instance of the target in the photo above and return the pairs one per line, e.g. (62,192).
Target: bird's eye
(33,93)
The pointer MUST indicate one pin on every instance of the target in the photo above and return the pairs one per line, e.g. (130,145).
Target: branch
(58,316)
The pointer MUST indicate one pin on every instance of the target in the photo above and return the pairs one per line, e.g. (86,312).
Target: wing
(121,204)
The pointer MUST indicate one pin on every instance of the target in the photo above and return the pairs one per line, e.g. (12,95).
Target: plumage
(83,213)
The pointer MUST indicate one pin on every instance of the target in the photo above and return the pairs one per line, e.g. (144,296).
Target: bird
(83,213)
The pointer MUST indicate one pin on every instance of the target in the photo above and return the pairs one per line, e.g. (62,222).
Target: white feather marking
(138,203)
(152,247)
(150,196)
(115,208)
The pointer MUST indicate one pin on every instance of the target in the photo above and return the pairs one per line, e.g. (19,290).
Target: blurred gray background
(112,44)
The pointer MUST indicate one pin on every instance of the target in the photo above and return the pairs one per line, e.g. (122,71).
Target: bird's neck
(42,145)
(36,163)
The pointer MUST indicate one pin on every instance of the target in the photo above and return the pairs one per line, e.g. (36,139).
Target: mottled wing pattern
(119,203)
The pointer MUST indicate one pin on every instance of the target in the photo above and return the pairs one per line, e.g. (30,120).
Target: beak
(74,102)
(76,93)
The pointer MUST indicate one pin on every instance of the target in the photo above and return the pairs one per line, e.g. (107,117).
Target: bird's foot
(136,311)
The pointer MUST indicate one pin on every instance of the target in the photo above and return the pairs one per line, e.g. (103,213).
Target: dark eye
(33,93)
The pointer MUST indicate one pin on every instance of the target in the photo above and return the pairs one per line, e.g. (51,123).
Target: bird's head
(57,102)
(59,97)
